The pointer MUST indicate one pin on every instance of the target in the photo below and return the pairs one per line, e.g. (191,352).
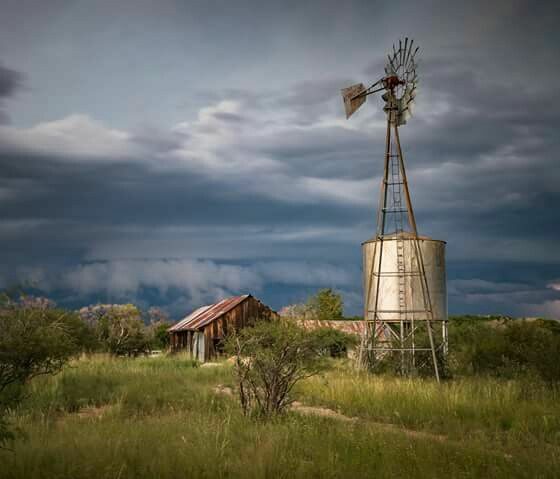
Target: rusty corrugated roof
(206,314)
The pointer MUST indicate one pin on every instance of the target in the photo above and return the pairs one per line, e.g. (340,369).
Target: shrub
(271,358)
(35,341)
(119,328)
(335,343)
(506,348)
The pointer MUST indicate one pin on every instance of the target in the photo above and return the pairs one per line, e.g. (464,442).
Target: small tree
(118,327)
(326,305)
(35,340)
(270,359)
(158,324)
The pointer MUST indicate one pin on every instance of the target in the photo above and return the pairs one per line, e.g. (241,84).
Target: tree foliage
(118,328)
(296,311)
(336,343)
(158,324)
(505,347)
(326,305)
(36,340)
(270,359)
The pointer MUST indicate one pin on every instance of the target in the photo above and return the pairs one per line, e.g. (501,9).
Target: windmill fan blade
(409,52)
(352,100)
(405,50)
(414,54)
(395,62)
(411,107)
(391,66)
(404,116)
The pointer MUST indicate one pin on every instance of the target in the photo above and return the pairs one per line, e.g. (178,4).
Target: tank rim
(394,238)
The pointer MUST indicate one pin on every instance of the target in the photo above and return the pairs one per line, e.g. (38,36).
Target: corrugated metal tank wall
(433,253)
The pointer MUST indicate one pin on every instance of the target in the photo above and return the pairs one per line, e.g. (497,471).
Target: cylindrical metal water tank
(392,282)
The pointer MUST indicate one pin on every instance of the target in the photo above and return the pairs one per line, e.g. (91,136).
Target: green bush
(118,328)
(326,305)
(505,347)
(36,340)
(270,359)
(335,343)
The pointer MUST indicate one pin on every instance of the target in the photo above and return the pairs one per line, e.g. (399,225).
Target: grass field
(161,418)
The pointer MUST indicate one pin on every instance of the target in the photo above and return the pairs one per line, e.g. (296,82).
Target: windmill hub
(393,81)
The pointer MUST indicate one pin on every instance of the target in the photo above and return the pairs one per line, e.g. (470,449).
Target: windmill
(405,296)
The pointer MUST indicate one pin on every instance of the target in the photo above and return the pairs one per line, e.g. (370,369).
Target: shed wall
(240,316)
(243,315)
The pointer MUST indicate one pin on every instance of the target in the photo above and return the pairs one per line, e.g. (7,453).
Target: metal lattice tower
(401,327)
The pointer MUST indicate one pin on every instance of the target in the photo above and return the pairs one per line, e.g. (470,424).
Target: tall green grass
(474,405)
(136,386)
(161,419)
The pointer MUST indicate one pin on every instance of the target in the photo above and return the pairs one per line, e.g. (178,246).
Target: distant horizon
(15,293)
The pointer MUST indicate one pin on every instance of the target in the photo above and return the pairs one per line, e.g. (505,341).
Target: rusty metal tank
(392,284)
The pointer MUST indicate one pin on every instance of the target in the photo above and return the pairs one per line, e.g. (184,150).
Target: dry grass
(161,418)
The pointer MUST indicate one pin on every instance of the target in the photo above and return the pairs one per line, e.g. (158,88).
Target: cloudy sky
(173,152)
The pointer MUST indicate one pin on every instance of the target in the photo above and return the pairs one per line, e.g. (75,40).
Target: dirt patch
(380,426)
(326,412)
(93,412)
(320,411)
(301,408)
(210,365)
(413,434)
(223,390)
(88,412)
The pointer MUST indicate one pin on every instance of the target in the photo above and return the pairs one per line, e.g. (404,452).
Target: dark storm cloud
(101,205)
(156,139)
(246,167)
(10,82)
(100,202)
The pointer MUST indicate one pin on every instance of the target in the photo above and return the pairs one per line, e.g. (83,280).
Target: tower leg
(445,339)
(402,346)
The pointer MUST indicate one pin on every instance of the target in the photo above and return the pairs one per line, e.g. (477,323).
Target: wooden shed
(201,333)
